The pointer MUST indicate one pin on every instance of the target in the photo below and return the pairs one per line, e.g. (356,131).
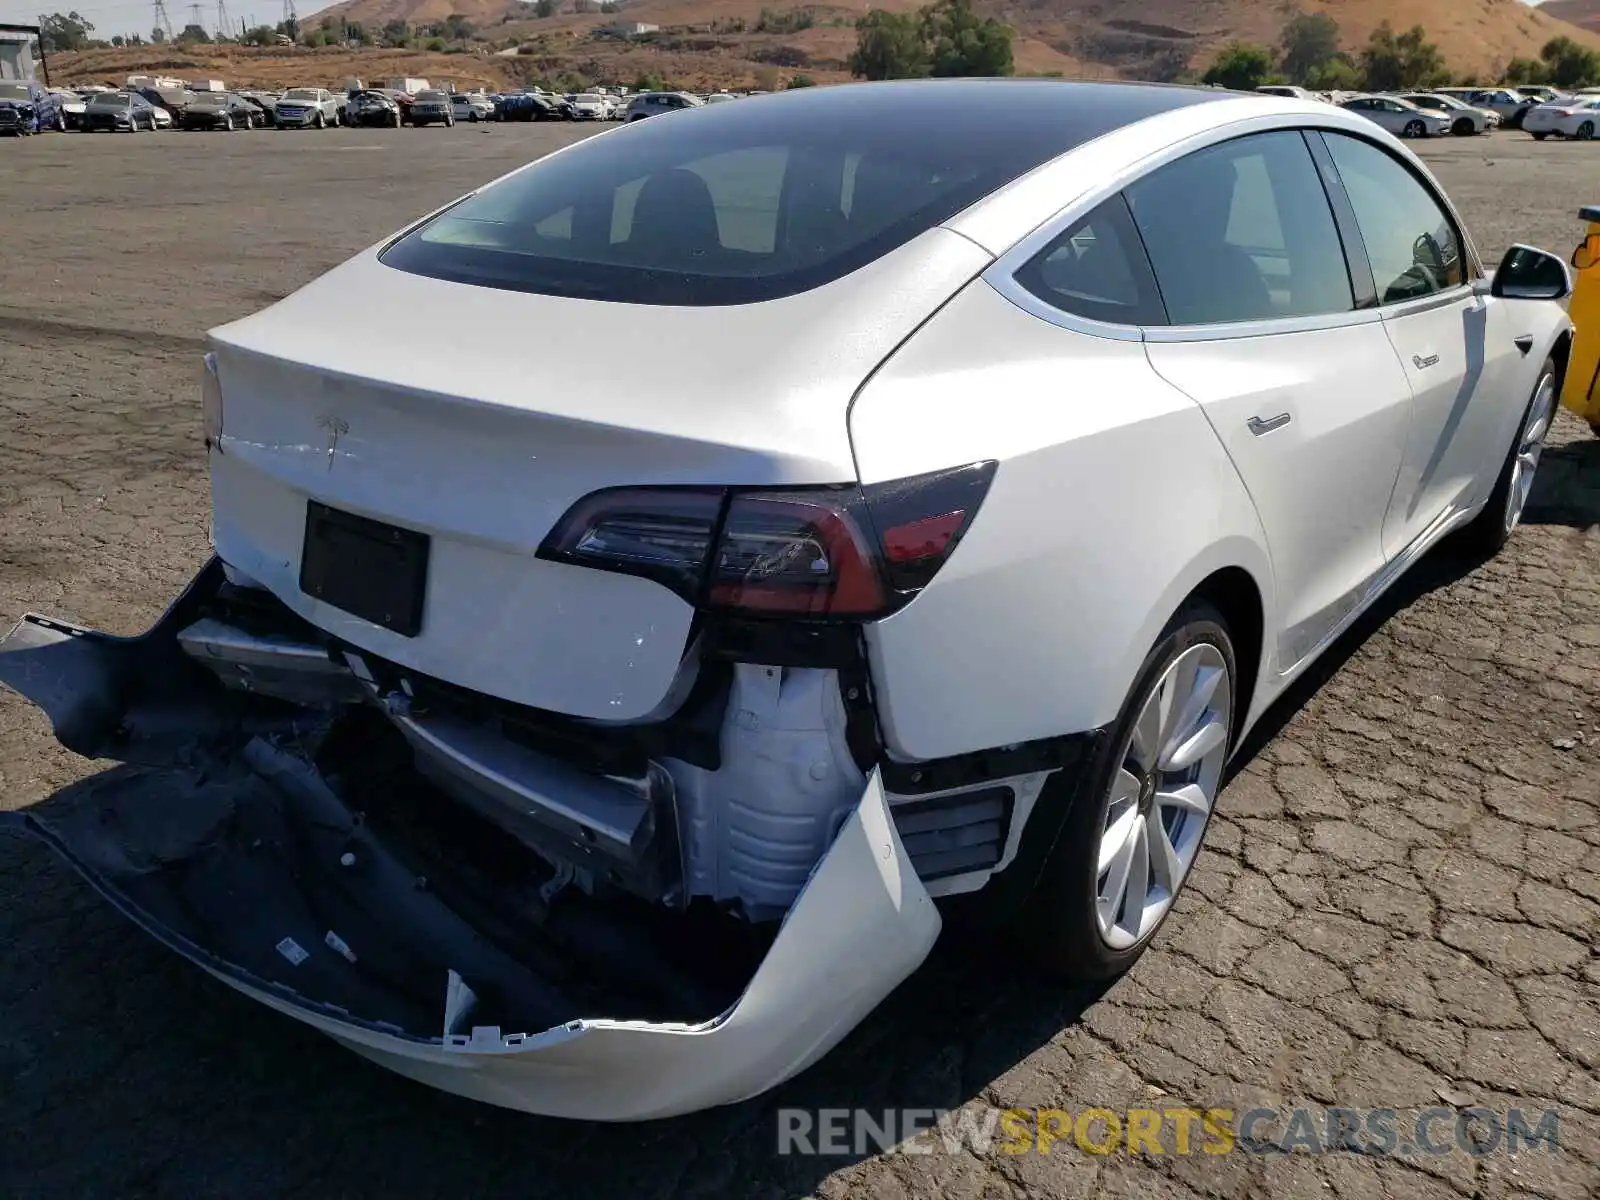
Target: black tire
(61,122)
(1586,132)
(472,117)
(321,121)
(1414,129)
(227,123)
(1464,127)
(1046,898)
(1539,137)
(1489,530)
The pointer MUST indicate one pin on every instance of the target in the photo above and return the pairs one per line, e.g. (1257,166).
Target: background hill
(734,43)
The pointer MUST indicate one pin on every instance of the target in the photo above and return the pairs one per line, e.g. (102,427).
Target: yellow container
(1581,392)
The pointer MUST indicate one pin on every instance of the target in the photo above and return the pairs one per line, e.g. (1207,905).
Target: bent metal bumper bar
(862,923)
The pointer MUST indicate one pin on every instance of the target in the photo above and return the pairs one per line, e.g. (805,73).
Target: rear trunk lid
(477,417)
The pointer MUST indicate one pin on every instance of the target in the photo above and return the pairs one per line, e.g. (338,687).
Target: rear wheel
(1135,828)
(227,123)
(1492,528)
(1415,129)
(1586,131)
(1539,137)
(1464,127)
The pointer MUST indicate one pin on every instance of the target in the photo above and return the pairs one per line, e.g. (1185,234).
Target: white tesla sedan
(604,730)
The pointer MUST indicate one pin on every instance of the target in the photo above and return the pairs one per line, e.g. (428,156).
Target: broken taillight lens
(839,551)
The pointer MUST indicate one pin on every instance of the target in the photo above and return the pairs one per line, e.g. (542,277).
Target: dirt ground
(1399,905)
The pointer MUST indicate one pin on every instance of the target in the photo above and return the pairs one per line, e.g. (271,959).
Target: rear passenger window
(1097,269)
(1412,244)
(1242,232)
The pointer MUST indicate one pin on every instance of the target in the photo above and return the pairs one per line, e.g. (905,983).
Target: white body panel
(1043,597)
(1348,406)
(438,442)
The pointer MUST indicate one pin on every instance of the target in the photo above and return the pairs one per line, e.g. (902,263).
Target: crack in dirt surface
(1400,897)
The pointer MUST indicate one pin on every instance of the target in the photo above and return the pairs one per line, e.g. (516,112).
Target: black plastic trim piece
(964,770)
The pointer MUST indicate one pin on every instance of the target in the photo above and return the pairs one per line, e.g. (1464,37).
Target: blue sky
(134,16)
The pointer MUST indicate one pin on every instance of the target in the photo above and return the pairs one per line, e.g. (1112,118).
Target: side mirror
(1529,274)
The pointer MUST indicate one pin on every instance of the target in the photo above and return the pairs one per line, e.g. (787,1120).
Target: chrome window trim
(1006,284)
(1266,327)
(1422,304)
(1000,274)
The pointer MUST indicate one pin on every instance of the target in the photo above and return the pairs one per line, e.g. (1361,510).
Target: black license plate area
(367,568)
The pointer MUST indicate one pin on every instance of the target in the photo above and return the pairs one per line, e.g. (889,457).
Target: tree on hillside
(158,35)
(545,8)
(1338,74)
(68,31)
(396,33)
(457,27)
(889,46)
(960,43)
(1307,42)
(1242,66)
(1523,70)
(261,35)
(192,34)
(1393,62)
(1570,65)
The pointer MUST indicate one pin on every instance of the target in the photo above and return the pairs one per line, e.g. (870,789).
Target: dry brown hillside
(1576,12)
(1132,38)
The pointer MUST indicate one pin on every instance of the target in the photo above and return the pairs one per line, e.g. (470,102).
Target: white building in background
(16,55)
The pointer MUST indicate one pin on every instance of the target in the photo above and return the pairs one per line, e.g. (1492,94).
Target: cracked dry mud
(1399,904)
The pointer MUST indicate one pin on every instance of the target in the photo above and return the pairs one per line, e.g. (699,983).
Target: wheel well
(1234,594)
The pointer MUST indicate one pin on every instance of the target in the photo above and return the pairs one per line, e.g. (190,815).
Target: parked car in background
(590,106)
(1540,93)
(1288,91)
(373,108)
(171,101)
(119,112)
(26,107)
(471,107)
(1399,117)
(266,103)
(164,119)
(719,98)
(651,104)
(1511,104)
(72,105)
(432,108)
(404,99)
(1465,119)
(302,108)
(1578,117)
(532,106)
(221,110)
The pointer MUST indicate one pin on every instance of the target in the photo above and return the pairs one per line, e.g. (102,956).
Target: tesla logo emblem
(1422,364)
(336,428)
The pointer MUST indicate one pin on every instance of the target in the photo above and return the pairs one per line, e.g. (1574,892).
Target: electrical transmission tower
(290,19)
(195,18)
(224,26)
(163,22)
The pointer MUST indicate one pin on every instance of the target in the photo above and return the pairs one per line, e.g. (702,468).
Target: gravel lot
(1399,907)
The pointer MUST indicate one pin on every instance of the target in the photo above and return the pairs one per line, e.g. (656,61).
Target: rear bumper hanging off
(219,788)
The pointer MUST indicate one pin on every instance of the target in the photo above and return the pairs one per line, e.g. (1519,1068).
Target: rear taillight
(842,551)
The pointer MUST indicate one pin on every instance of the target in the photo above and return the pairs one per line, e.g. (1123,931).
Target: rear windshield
(740,203)
(13,91)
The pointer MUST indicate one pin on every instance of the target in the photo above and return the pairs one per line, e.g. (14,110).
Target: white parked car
(1287,91)
(1399,117)
(1576,118)
(940,536)
(651,104)
(1465,120)
(590,106)
(467,106)
(1511,104)
(300,108)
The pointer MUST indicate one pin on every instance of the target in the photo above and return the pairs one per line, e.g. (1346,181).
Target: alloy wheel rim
(1530,446)
(1161,796)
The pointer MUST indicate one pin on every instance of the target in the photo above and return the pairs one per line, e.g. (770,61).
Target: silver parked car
(1465,120)
(1399,117)
(650,104)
